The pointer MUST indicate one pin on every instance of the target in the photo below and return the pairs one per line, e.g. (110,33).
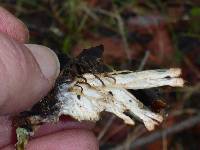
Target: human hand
(27,73)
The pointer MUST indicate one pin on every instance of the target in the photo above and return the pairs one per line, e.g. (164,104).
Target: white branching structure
(109,93)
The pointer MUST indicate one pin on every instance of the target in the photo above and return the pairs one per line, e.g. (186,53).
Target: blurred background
(137,35)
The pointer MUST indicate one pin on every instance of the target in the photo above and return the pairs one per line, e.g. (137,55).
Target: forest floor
(136,35)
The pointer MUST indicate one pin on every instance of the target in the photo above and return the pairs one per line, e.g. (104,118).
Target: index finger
(13,27)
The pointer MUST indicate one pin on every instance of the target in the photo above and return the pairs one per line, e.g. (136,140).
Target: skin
(28,72)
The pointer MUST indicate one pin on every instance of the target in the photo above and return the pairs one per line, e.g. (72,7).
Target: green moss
(22,138)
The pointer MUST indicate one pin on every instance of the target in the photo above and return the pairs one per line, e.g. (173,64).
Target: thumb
(27,73)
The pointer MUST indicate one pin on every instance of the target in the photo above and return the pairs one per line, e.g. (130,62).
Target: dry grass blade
(188,123)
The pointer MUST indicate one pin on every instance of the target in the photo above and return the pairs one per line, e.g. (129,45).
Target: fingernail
(47,60)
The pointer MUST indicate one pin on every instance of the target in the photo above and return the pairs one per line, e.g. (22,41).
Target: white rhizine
(113,96)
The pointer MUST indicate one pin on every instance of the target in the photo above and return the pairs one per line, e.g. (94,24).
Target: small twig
(138,131)
(188,123)
(144,60)
(120,23)
(123,35)
(114,133)
(89,12)
(190,90)
(164,138)
(104,12)
(193,68)
(106,127)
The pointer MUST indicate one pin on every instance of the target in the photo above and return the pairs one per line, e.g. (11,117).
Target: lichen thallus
(88,61)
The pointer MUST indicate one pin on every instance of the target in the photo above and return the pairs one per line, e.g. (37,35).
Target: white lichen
(86,101)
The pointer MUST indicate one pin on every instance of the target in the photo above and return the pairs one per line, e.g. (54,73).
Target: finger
(47,60)
(6,131)
(75,139)
(24,74)
(62,125)
(8,136)
(12,26)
